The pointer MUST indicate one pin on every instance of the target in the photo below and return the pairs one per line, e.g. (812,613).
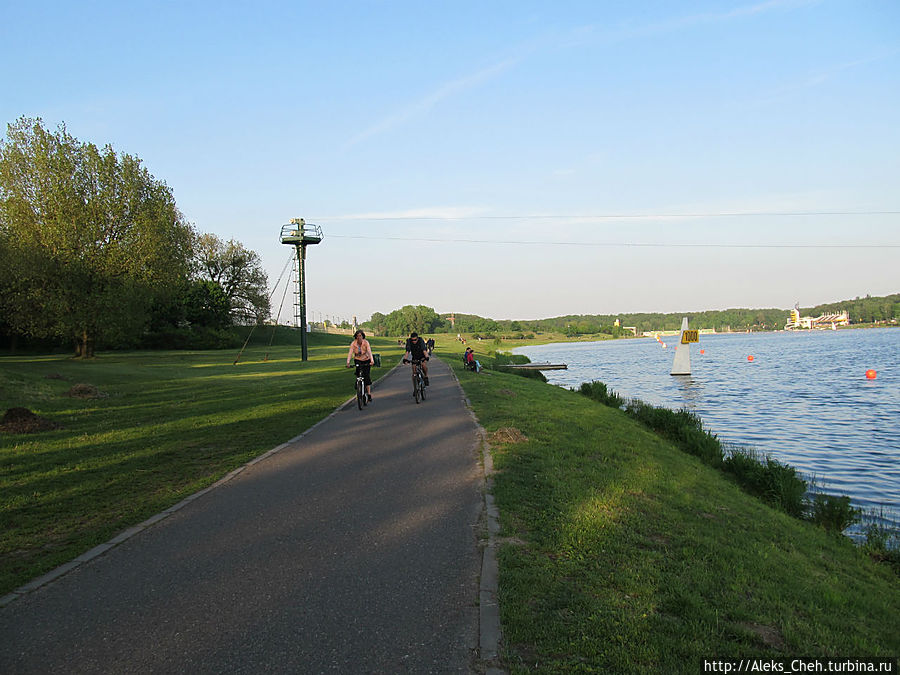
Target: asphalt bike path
(352,549)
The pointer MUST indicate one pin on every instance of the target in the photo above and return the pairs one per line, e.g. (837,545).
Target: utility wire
(622,216)
(622,244)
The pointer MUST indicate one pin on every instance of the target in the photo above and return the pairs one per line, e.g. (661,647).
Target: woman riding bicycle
(361,353)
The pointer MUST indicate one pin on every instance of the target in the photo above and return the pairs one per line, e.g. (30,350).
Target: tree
(407,319)
(239,273)
(194,304)
(376,323)
(88,236)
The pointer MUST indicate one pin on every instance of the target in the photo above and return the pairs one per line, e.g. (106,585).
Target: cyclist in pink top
(361,353)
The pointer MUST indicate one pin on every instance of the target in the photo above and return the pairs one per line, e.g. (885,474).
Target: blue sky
(660,151)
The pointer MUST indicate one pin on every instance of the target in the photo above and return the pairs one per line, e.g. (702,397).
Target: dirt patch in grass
(507,435)
(85,391)
(507,392)
(23,421)
(769,636)
(53,376)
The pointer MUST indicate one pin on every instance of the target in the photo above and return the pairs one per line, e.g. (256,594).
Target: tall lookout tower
(301,234)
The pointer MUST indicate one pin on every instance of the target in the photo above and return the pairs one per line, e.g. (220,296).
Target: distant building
(795,321)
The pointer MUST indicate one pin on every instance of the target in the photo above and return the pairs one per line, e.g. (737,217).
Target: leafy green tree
(194,304)
(89,237)
(239,272)
(407,319)
(376,323)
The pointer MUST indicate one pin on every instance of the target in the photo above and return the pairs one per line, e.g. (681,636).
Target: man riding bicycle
(416,351)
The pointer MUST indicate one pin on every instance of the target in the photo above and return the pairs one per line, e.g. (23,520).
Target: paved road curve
(352,550)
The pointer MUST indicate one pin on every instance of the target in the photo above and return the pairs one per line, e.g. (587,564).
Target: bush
(192,338)
(598,391)
(682,427)
(776,483)
(506,358)
(495,359)
(882,543)
(833,513)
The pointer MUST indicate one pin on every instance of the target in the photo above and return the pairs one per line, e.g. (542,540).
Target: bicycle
(418,379)
(361,399)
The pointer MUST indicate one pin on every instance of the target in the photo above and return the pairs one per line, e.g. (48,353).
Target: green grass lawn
(168,424)
(622,554)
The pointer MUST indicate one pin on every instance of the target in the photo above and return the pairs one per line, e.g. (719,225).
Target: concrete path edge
(490,629)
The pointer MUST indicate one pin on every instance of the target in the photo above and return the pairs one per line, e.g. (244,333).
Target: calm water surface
(804,399)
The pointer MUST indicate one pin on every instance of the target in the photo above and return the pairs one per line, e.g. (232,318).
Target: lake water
(804,399)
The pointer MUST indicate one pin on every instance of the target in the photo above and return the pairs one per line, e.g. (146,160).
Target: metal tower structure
(301,234)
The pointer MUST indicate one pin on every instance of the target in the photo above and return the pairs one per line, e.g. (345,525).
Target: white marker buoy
(681,364)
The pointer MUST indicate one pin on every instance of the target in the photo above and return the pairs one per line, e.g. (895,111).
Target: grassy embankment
(168,424)
(623,554)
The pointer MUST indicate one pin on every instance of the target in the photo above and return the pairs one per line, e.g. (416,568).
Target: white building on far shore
(823,321)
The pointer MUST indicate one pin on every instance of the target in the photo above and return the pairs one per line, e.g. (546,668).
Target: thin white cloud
(736,13)
(759,8)
(592,33)
(427,213)
(820,77)
(579,35)
(427,102)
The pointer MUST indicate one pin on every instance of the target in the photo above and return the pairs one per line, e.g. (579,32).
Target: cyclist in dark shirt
(416,350)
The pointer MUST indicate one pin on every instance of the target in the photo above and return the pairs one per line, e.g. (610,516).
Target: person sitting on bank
(469,358)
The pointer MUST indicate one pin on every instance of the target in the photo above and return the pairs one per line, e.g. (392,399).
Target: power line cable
(619,216)
(622,244)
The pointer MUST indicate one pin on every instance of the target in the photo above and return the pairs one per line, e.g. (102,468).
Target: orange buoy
(750,358)
(871,374)
(702,351)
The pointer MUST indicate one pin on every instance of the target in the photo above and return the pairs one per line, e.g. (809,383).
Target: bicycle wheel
(422,386)
(417,389)
(360,394)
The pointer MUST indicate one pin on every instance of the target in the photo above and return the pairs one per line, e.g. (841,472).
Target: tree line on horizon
(94,251)
(425,320)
